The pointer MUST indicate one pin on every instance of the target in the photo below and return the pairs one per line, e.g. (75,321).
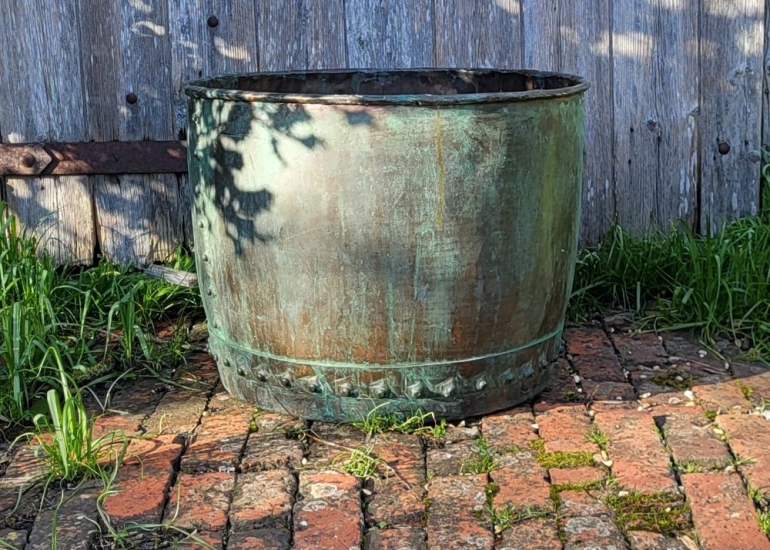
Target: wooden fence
(674,117)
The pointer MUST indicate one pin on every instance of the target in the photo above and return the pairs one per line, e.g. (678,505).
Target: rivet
(226,362)
(201,224)
(241,371)
(724,147)
(379,390)
(205,257)
(131,98)
(28,160)
(345,390)
(286,382)
(415,390)
(212,21)
(262,376)
(209,292)
(215,324)
(448,388)
(481,384)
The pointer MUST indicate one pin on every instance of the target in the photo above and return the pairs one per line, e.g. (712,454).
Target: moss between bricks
(560,459)
(664,513)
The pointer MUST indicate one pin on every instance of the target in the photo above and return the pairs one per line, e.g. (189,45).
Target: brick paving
(628,416)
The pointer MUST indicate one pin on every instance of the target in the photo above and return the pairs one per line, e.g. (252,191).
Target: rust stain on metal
(440,285)
(84,158)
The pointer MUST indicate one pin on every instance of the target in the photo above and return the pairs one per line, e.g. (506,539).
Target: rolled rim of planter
(359,86)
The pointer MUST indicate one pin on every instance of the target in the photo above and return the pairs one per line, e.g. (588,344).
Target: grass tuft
(418,423)
(483,460)
(664,513)
(716,284)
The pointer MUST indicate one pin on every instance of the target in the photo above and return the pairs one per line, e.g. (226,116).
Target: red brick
(139,495)
(261,539)
(178,412)
(271,452)
(395,505)
(639,348)
(608,391)
(404,454)
(754,377)
(507,431)
(71,521)
(534,534)
(721,396)
(724,517)
(561,386)
(639,460)
(565,429)
(450,459)
(328,512)
(408,538)
(643,540)
(25,468)
(522,485)
(200,371)
(593,355)
(749,438)
(576,476)
(691,439)
(580,503)
(128,424)
(203,501)
(213,539)
(220,438)
(262,500)
(322,456)
(456,499)
(463,535)
(161,451)
(685,346)
(592,532)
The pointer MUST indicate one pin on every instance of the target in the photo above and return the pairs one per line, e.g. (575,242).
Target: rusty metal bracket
(106,157)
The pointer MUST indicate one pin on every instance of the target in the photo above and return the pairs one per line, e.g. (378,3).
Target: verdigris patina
(394,239)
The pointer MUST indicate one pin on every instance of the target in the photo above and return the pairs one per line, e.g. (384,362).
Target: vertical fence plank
(301,35)
(655,134)
(394,33)
(41,98)
(541,44)
(584,36)
(127,51)
(478,34)
(731,71)
(202,46)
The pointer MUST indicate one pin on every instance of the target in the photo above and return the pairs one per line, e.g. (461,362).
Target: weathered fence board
(481,34)
(583,26)
(393,33)
(686,76)
(41,99)
(731,45)
(139,217)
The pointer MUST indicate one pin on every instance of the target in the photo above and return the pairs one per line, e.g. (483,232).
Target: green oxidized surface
(405,256)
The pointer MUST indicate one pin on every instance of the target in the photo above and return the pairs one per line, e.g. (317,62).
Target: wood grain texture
(584,35)
(479,34)
(198,49)
(301,35)
(540,37)
(43,100)
(655,132)
(127,51)
(732,35)
(389,33)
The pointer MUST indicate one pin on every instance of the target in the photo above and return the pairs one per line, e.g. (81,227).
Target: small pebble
(660,338)
(674,401)
(766,414)
(576,378)
(674,359)
(645,395)
(642,376)
(702,353)
(689,395)
(535,426)
(656,367)
(622,493)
